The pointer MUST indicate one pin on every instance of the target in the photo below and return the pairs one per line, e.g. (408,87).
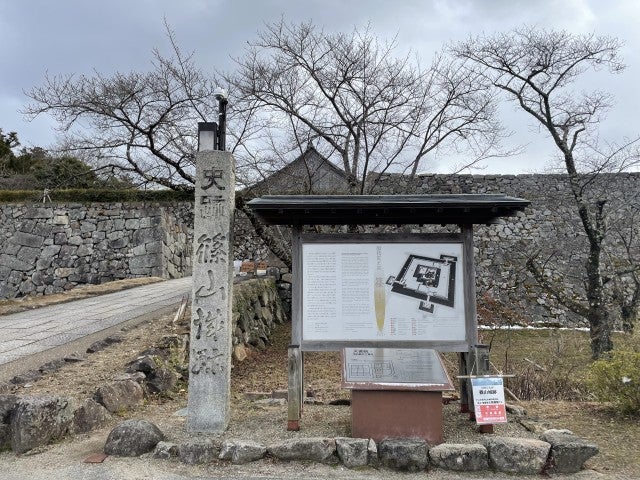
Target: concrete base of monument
(380,414)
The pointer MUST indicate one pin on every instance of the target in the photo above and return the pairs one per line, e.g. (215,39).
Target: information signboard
(488,399)
(383,291)
(394,369)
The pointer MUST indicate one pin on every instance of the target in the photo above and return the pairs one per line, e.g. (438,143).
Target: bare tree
(359,103)
(458,114)
(347,93)
(538,70)
(142,123)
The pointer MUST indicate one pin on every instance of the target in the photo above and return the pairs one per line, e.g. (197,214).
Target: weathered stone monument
(210,347)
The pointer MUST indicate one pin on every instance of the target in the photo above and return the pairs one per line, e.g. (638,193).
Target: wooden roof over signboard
(385,209)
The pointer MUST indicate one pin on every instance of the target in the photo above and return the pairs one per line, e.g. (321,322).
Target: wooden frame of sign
(464,210)
(414,259)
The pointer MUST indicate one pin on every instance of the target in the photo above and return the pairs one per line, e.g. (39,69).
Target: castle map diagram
(430,280)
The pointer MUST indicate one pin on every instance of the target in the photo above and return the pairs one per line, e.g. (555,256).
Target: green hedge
(95,195)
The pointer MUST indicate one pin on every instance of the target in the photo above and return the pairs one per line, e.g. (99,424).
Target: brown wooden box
(380,414)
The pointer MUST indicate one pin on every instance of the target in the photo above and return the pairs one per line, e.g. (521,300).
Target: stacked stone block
(257,309)
(51,248)
(177,231)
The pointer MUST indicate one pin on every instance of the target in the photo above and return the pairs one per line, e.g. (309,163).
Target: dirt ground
(265,371)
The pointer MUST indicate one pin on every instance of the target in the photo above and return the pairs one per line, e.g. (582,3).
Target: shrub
(617,380)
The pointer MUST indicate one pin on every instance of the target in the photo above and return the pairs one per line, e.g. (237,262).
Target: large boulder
(157,378)
(165,450)
(7,404)
(161,380)
(39,421)
(118,396)
(568,451)
(89,415)
(524,456)
(372,454)
(27,377)
(5,436)
(409,455)
(132,438)
(318,449)
(459,457)
(102,344)
(145,364)
(242,451)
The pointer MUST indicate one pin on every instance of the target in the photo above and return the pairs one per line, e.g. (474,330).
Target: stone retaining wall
(550,228)
(256,310)
(177,242)
(50,248)
(47,249)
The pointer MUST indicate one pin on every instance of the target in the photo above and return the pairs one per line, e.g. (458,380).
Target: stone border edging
(563,452)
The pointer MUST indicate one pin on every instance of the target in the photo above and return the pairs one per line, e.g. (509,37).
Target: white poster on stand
(488,399)
(378,291)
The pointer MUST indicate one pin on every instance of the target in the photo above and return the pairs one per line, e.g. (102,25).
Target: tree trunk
(280,250)
(598,315)
(594,226)
(600,331)
(630,310)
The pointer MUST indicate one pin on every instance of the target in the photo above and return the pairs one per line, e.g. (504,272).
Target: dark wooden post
(479,366)
(463,358)
(294,401)
(296,380)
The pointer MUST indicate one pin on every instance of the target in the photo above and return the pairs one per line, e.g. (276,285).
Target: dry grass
(263,371)
(547,364)
(266,370)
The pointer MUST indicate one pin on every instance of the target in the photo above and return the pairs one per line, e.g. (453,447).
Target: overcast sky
(79,36)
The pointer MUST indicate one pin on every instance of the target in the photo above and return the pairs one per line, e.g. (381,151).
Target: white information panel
(382,291)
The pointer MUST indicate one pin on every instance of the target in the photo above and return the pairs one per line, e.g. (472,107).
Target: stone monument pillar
(210,347)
